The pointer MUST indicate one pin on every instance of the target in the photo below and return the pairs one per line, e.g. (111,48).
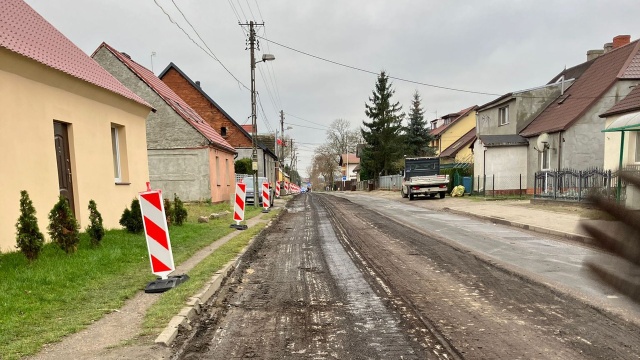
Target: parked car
(250,199)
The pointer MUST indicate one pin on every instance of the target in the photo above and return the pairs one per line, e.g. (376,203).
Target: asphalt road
(355,277)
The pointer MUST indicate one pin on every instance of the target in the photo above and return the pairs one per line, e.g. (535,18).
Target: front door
(64,162)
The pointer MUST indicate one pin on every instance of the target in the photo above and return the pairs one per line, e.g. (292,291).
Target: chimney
(621,40)
(608,47)
(125,55)
(197,83)
(592,54)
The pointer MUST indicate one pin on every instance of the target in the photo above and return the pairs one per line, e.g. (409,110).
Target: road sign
(344,178)
(238,207)
(266,199)
(157,233)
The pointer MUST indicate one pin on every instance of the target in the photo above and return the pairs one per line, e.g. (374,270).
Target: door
(64,162)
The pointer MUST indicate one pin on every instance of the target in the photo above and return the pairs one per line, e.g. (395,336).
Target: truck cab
(421,176)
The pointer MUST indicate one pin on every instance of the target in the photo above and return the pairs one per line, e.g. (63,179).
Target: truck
(421,176)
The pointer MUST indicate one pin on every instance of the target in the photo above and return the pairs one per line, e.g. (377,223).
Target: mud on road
(333,279)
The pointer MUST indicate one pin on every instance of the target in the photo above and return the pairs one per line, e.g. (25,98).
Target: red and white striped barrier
(266,201)
(238,207)
(277,189)
(156,231)
(287,187)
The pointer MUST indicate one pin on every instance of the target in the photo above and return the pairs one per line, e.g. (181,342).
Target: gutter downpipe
(619,184)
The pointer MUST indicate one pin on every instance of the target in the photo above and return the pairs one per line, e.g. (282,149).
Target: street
(351,276)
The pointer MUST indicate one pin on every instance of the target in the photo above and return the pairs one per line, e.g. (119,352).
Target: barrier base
(239,227)
(265,210)
(161,285)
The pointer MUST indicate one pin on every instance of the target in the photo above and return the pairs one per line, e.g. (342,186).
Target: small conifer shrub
(132,219)
(179,212)
(63,226)
(28,236)
(95,228)
(168,211)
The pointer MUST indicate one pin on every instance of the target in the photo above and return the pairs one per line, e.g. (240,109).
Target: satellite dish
(543,142)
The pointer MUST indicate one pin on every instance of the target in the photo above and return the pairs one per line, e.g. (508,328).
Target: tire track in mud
(481,310)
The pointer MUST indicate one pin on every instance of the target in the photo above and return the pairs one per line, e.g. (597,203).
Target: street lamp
(254,154)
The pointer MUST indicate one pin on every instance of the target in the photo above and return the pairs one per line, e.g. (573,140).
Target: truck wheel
(402,192)
(410,195)
(432,195)
(442,195)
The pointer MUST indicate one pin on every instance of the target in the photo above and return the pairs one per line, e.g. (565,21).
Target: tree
(382,135)
(28,236)
(95,228)
(179,212)
(324,164)
(168,211)
(63,226)
(341,138)
(132,219)
(417,135)
(243,166)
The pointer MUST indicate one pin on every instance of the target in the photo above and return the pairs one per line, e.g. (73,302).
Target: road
(352,277)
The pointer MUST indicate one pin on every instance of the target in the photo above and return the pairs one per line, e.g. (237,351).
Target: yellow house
(67,127)
(452,139)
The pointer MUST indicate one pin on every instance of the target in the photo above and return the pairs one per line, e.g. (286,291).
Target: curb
(584,239)
(193,305)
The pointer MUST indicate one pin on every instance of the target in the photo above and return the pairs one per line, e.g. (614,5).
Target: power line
(303,126)
(250,11)
(211,54)
(375,73)
(242,11)
(275,107)
(315,123)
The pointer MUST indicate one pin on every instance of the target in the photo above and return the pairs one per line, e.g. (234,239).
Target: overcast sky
(485,46)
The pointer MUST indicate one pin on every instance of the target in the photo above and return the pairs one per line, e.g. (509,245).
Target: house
(236,135)
(622,140)
(455,126)
(460,151)
(569,130)
(67,127)
(186,156)
(499,152)
(348,164)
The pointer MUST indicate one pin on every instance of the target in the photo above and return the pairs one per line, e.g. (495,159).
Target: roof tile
(630,103)
(24,31)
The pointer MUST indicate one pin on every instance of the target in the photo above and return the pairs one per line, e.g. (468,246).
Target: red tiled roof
(248,128)
(461,114)
(172,99)
(586,91)
(353,159)
(24,31)
(632,71)
(465,140)
(630,103)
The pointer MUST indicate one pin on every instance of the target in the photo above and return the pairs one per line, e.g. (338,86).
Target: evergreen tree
(28,236)
(168,211)
(63,227)
(132,219)
(179,212)
(383,134)
(95,228)
(417,135)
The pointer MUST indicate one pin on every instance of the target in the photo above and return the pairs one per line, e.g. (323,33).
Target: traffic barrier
(156,231)
(238,207)
(287,187)
(266,199)
(277,189)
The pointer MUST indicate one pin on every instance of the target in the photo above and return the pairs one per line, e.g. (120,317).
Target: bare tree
(324,164)
(340,137)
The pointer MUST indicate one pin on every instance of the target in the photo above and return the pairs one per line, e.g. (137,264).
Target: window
(545,161)
(115,149)
(230,175)
(637,157)
(503,115)
(223,131)
(217,171)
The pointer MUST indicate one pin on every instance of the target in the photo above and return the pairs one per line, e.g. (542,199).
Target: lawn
(60,294)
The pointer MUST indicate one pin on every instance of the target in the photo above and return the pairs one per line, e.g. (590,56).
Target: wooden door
(65,178)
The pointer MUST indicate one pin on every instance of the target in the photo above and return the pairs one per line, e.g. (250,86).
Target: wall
(507,163)
(181,171)
(488,120)
(222,175)
(205,109)
(33,96)
(457,130)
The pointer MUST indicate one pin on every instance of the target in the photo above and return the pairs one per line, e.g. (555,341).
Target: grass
(60,294)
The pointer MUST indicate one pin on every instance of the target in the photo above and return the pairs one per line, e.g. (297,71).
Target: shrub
(132,219)
(243,166)
(95,228)
(63,227)
(180,213)
(168,211)
(28,236)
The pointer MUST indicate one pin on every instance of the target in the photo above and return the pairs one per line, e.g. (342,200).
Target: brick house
(186,155)
(235,134)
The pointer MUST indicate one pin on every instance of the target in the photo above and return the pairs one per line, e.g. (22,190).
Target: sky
(484,46)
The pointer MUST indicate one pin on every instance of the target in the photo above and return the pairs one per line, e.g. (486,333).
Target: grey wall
(165,128)
(181,171)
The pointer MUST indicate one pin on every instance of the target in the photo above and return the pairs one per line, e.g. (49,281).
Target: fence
(578,185)
(500,185)
(390,182)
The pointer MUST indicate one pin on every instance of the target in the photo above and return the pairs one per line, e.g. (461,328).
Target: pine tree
(179,212)
(417,132)
(95,228)
(168,211)
(63,227)
(28,236)
(132,219)
(383,134)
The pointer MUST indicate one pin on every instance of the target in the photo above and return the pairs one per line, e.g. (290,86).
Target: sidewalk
(518,213)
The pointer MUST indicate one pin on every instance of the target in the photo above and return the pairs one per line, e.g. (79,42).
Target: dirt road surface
(338,280)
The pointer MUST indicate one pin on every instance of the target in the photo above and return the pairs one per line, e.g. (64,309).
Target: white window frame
(503,115)
(115,150)
(546,153)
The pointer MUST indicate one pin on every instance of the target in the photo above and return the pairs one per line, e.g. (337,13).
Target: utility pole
(282,134)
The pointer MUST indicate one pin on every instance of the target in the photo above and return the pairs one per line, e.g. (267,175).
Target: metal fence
(578,185)
(390,182)
(240,177)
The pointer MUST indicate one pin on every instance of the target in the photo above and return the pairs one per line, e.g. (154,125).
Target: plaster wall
(32,97)
(457,130)
(222,175)
(508,164)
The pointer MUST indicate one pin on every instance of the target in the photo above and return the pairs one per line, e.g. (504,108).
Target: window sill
(123,183)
